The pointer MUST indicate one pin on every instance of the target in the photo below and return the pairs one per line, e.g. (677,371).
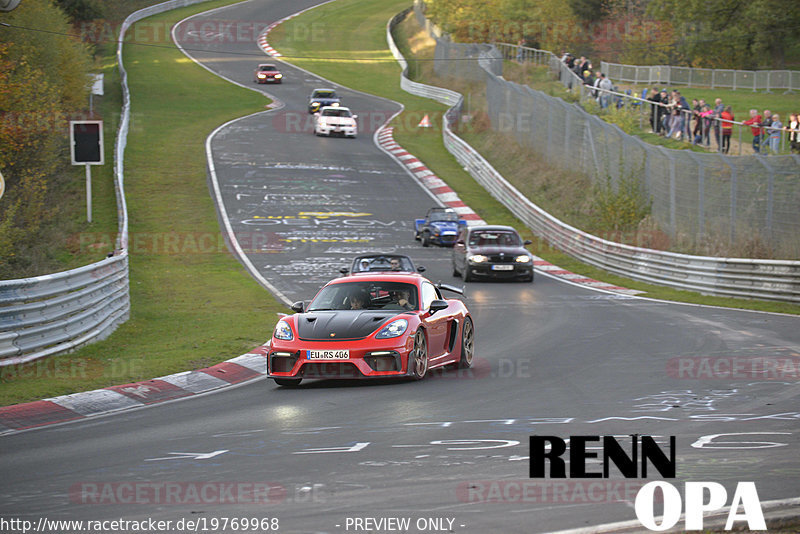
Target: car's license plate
(502,267)
(327,354)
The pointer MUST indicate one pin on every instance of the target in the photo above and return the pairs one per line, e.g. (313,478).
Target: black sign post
(86,148)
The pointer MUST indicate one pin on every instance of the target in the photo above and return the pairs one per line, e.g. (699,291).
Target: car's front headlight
(283,331)
(335,104)
(393,329)
(315,104)
(524,258)
(278,76)
(262,75)
(478,258)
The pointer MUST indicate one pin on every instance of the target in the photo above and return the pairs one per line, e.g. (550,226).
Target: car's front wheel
(419,355)
(467,344)
(288,382)
(426,239)
(468,277)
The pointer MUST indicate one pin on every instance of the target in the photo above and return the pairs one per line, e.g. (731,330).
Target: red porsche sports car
(372,325)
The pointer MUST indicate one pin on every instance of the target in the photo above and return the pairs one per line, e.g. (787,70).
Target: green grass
(365,38)
(189,310)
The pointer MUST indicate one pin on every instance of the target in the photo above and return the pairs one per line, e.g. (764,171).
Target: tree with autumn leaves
(43,83)
(732,34)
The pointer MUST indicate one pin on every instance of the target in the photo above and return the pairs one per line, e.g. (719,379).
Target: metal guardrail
(56,313)
(737,277)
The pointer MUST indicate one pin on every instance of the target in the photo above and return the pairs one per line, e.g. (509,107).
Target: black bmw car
(491,252)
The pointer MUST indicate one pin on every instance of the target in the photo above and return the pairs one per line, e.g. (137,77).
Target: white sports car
(335,120)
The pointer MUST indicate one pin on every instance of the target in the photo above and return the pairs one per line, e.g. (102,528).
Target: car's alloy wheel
(456,272)
(419,355)
(467,343)
(426,239)
(288,382)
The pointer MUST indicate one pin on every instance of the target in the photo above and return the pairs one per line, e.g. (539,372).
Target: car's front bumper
(374,362)
(349,131)
(502,270)
(445,240)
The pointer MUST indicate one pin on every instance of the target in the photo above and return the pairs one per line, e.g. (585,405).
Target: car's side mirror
(344,270)
(527,242)
(438,305)
(355,116)
(420,268)
(298,306)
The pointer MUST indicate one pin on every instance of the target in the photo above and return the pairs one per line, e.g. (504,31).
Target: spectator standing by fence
(766,122)
(727,128)
(775,134)
(754,122)
(719,107)
(655,110)
(794,132)
(605,84)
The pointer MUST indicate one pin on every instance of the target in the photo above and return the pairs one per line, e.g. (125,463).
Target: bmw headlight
(393,329)
(278,76)
(478,258)
(283,331)
(523,259)
(335,104)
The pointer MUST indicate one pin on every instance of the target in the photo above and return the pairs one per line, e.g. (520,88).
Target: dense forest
(731,34)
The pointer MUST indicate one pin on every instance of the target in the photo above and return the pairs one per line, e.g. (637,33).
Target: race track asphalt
(551,359)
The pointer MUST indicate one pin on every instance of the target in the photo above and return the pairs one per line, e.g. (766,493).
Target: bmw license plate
(327,355)
(502,267)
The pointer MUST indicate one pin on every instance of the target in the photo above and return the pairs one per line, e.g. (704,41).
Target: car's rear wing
(448,287)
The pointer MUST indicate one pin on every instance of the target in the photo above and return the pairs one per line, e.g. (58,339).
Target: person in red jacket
(727,128)
(755,126)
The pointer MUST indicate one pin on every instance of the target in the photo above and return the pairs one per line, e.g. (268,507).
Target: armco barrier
(56,313)
(736,277)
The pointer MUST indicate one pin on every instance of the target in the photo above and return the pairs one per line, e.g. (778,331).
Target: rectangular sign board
(86,142)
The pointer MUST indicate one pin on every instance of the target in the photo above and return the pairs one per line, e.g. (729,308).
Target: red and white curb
(262,38)
(578,279)
(136,395)
(427,178)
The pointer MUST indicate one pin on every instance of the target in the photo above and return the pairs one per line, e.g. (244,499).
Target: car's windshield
(444,216)
(336,112)
(324,94)
(382,262)
(374,295)
(268,67)
(494,238)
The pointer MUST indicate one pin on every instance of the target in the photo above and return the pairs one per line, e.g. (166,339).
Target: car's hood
(492,250)
(343,324)
(445,226)
(325,101)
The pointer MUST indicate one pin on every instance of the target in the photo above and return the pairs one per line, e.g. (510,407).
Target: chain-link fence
(757,80)
(696,197)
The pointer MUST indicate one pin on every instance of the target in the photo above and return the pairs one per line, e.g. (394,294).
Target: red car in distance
(372,325)
(267,73)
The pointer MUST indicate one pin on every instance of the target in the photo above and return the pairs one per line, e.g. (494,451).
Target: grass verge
(193,305)
(356,29)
